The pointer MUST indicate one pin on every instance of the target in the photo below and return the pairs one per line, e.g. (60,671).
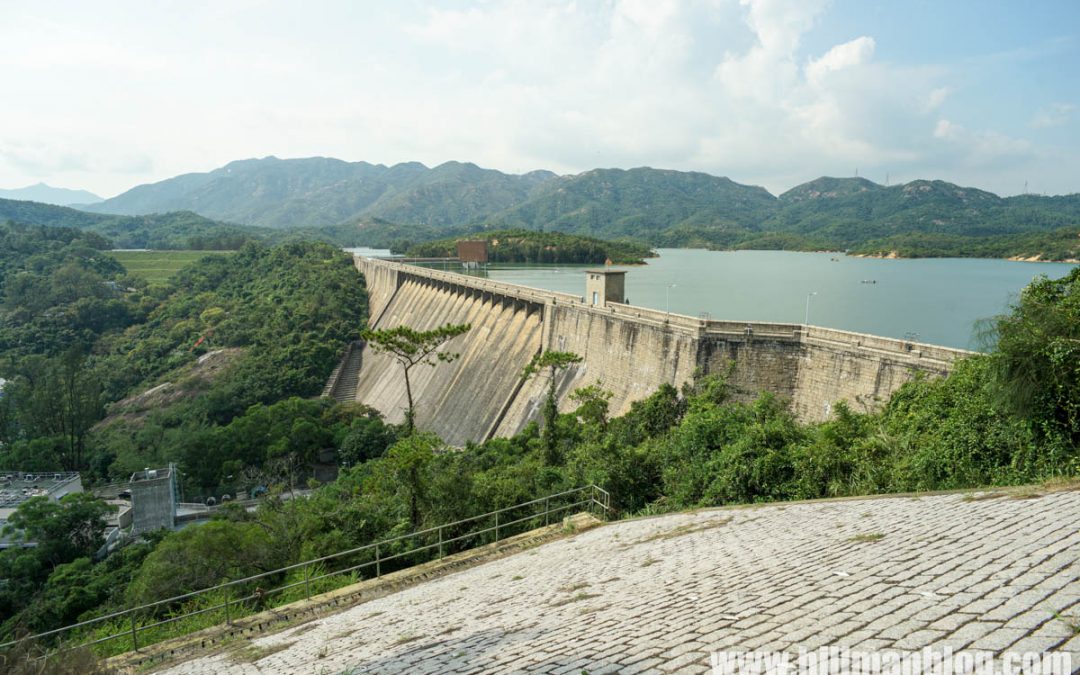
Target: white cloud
(854,53)
(980,148)
(1056,115)
(131,92)
(40,158)
(936,98)
(945,129)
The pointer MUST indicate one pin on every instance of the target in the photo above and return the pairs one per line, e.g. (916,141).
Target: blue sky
(107,95)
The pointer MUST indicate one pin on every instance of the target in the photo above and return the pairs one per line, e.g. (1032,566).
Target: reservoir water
(939,301)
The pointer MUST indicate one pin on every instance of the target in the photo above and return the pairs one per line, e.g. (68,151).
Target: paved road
(991,572)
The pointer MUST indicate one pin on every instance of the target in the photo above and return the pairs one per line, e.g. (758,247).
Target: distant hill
(319,191)
(637,203)
(357,203)
(850,212)
(47,194)
(177,230)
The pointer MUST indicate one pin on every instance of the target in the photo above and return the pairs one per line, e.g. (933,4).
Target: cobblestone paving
(658,595)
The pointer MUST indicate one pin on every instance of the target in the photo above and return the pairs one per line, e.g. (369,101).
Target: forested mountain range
(373,204)
(176,230)
(321,191)
(358,203)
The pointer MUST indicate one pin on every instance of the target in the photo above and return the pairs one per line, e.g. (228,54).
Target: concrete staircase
(342,383)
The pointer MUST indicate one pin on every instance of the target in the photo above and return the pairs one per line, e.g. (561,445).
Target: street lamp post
(806,317)
(667,298)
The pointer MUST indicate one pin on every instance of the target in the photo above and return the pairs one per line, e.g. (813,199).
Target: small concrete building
(153,500)
(604,286)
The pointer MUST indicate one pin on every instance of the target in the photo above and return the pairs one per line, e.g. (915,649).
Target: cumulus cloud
(723,86)
(854,53)
(981,148)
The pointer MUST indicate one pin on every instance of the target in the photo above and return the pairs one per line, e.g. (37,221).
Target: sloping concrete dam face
(629,351)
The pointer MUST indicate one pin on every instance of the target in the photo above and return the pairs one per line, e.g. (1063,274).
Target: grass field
(157,267)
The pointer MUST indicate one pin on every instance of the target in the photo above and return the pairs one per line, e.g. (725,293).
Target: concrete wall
(153,501)
(465,399)
(627,350)
(862,369)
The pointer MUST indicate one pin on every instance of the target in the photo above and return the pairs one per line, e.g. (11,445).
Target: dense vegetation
(525,246)
(1008,417)
(374,205)
(177,230)
(230,344)
(77,334)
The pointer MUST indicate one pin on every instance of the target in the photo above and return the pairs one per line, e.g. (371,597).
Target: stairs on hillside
(342,384)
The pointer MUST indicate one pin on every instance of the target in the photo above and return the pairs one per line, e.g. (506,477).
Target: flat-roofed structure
(472,253)
(604,286)
(153,500)
(17,487)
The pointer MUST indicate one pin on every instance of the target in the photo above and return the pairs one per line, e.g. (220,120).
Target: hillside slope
(321,191)
(176,230)
(368,204)
(638,203)
(48,194)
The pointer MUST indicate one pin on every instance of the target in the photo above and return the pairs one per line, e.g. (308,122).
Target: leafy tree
(411,347)
(60,399)
(203,556)
(61,530)
(592,403)
(554,361)
(1037,361)
(407,465)
(367,438)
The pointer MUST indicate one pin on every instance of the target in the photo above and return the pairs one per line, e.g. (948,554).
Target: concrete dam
(627,350)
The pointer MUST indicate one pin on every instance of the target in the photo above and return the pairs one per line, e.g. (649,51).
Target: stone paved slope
(992,571)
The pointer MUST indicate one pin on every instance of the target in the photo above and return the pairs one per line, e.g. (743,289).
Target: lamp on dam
(667,298)
(806,317)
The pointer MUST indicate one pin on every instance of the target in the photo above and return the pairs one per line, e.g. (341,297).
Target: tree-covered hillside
(361,204)
(78,336)
(176,230)
(105,376)
(527,246)
(320,191)
(637,203)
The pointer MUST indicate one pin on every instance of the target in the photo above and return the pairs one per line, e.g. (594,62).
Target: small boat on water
(869,281)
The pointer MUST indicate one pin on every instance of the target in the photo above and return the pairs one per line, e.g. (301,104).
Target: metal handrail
(596,496)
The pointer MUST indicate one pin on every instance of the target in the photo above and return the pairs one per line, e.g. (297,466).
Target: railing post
(547,511)
(440,542)
(496,527)
(378,562)
(228,616)
(134,633)
(307,580)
